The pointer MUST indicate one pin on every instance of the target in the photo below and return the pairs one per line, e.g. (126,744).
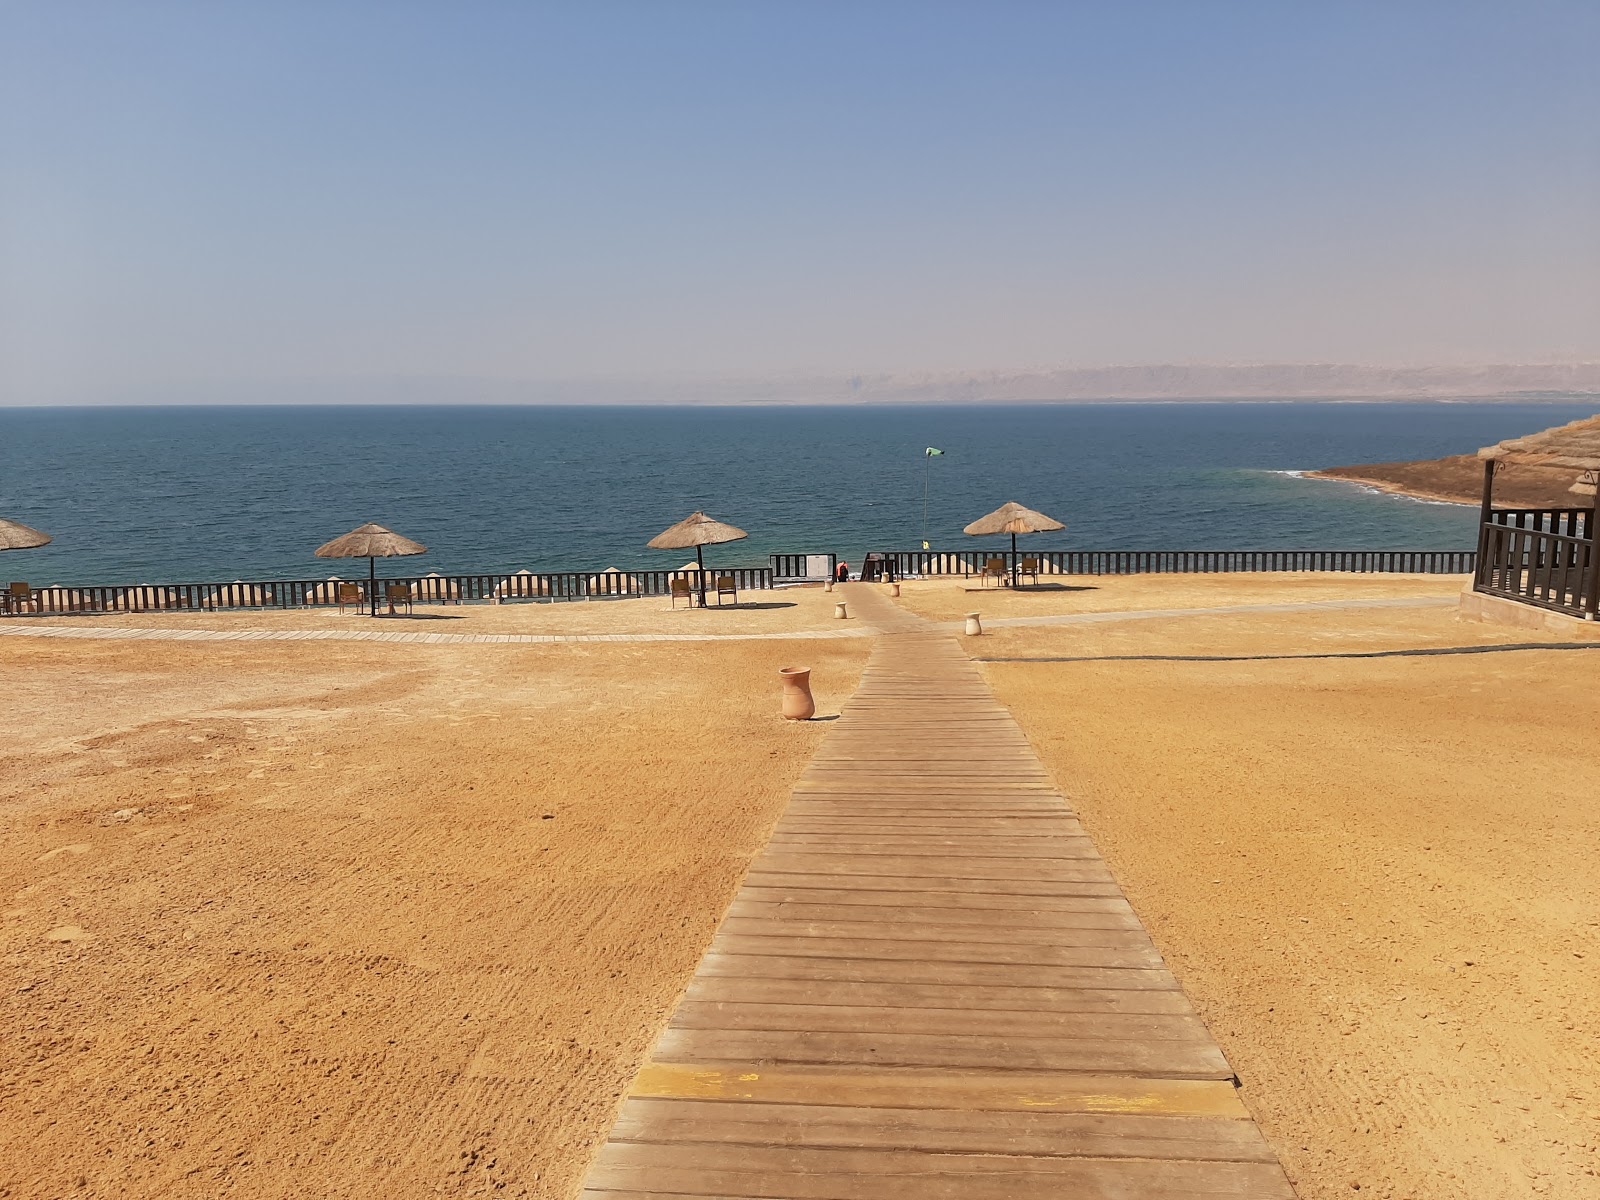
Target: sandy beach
(357,919)
(345,919)
(1374,876)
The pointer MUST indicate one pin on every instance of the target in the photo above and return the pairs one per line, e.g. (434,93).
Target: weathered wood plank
(1164,1059)
(977,998)
(864,970)
(1046,1134)
(1052,921)
(848,1018)
(928,953)
(802,1173)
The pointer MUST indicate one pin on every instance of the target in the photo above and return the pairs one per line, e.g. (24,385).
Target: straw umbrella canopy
(15,536)
(1013,518)
(697,530)
(371,542)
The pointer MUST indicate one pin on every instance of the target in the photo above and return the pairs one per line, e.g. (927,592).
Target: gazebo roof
(1574,447)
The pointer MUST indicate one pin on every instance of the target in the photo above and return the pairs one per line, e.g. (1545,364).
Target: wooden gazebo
(1546,557)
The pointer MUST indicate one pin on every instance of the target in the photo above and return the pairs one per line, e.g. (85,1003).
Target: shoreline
(1388,487)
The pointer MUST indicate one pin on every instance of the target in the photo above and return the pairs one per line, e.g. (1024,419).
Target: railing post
(1591,602)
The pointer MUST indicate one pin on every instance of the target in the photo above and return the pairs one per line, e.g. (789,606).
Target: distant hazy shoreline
(1284,384)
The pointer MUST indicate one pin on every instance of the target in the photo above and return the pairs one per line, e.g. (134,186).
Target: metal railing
(309,593)
(794,567)
(1150,562)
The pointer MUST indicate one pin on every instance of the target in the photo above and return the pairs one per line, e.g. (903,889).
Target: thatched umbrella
(1013,518)
(697,530)
(19,537)
(371,542)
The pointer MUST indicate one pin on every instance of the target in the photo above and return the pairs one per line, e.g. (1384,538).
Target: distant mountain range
(1272,381)
(1298,381)
(1289,381)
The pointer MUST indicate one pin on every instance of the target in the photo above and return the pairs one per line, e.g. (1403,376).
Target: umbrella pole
(700,561)
(372,583)
(1015,578)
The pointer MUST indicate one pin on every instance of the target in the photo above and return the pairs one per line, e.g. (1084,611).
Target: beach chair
(1030,566)
(349,593)
(727,587)
(19,596)
(682,591)
(994,571)
(398,593)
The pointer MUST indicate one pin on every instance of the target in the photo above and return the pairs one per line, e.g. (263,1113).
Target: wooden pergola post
(1591,602)
(1483,575)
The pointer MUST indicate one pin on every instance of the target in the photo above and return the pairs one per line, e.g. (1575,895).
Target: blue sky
(225,196)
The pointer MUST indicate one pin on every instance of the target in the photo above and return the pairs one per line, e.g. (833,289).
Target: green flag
(930,452)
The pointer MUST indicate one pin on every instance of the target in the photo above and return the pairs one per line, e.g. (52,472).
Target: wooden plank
(801,1173)
(1049,934)
(864,970)
(980,999)
(1040,953)
(834,863)
(850,1018)
(1055,922)
(1046,1134)
(928,1090)
(1165,1059)
(838,892)
(800,879)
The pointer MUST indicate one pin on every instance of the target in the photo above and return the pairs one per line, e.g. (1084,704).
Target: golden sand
(1375,876)
(351,919)
(362,920)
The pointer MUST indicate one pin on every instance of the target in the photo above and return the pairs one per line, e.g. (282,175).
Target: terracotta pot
(974,626)
(840,612)
(797,702)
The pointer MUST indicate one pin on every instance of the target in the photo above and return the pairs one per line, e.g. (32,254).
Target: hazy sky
(217,195)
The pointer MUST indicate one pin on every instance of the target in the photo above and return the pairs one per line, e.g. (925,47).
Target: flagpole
(927,465)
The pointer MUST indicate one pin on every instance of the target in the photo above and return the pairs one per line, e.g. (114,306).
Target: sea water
(171,495)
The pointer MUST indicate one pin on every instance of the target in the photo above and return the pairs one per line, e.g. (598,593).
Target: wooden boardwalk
(931,988)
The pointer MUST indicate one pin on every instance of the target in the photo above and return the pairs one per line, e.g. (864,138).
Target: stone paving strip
(129,633)
(1143,614)
(28,627)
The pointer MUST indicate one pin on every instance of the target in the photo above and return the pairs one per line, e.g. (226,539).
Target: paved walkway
(876,610)
(26,627)
(930,987)
(1147,614)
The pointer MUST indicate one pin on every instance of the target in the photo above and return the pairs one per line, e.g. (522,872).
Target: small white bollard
(894,589)
(828,587)
(974,626)
(839,612)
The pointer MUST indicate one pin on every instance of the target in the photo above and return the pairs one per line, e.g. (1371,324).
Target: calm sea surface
(174,495)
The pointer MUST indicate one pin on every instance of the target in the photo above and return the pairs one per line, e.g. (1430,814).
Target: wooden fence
(1541,556)
(1150,562)
(304,593)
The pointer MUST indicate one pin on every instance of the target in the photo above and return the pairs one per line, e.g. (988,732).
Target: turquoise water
(174,495)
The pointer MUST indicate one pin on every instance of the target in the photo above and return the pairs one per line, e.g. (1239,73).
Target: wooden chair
(1030,566)
(994,569)
(349,593)
(682,591)
(19,596)
(727,587)
(398,593)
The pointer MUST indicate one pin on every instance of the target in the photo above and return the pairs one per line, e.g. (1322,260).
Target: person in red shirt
(842,573)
